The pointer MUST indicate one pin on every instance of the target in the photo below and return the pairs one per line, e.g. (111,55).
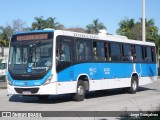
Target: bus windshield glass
(30,57)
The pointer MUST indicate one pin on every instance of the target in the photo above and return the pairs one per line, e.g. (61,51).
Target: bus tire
(42,97)
(80,91)
(134,85)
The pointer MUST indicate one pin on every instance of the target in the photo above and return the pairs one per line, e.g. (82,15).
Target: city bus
(53,62)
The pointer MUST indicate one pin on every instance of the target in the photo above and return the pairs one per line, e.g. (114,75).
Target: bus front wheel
(80,92)
(134,85)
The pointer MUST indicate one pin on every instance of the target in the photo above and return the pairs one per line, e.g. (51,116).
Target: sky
(78,13)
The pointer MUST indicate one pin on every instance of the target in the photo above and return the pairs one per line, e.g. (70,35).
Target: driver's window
(63,53)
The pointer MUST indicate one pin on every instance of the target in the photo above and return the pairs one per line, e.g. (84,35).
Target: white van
(3,69)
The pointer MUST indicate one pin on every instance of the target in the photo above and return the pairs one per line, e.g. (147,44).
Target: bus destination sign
(32,37)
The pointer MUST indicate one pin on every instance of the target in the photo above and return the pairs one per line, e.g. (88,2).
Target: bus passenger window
(153,54)
(127,53)
(95,53)
(149,54)
(106,49)
(115,52)
(80,51)
(83,50)
(133,52)
(144,54)
(138,53)
(88,50)
(98,51)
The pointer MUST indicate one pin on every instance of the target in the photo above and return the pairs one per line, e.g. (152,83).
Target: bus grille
(20,90)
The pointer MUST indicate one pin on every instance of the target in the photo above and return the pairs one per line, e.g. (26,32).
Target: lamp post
(143,20)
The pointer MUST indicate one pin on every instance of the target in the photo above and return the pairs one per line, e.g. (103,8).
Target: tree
(51,23)
(39,24)
(133,30)
(125,28)
(95,26)
(152,31)
(48,23)
(6,33)
(18,25)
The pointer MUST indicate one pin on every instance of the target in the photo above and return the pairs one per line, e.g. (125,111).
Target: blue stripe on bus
(99,71)
(95,71)
(28,83)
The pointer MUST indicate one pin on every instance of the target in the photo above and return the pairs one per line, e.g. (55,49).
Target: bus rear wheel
(80,92)
(134,85)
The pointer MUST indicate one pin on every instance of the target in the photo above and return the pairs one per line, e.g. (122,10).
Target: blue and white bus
(52,62)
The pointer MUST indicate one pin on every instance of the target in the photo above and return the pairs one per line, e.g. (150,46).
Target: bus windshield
(30,57)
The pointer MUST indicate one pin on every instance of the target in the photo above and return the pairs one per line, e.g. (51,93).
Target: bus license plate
(26,92)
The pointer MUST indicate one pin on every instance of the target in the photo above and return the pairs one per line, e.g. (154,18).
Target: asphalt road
(147,98)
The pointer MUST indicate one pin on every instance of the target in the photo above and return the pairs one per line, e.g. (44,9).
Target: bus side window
(106,50)
(144,54)
(88,51)
(115,52)
(138,51)
(80,50)
(153,54)
(83,50)
(149,54)
(57,54)
(127,53)
(98,51)
(95,53)
(133,52)
(65,53)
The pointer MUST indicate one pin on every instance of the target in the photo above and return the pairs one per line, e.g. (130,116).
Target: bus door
(64,59)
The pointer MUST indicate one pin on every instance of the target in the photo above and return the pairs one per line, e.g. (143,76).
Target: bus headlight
(48,80)
(9,81)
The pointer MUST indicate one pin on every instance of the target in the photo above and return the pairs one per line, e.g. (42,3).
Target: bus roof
(105,37)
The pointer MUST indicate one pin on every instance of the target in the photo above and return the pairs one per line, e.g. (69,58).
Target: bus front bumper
(49,89)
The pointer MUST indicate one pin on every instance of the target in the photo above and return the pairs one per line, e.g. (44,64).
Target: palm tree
(134,30)
(95,26)
(151,29)
(39,24)
(126,27)
(48,23)
(51,23)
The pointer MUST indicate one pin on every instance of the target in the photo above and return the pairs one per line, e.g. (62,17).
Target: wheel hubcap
(80,90)
(134,85)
